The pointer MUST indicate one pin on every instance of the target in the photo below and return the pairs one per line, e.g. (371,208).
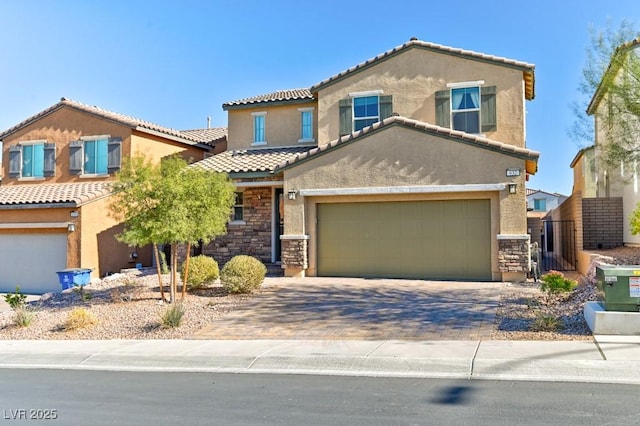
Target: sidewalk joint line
(266,352)
(473,359)
(604,357)
(368,354)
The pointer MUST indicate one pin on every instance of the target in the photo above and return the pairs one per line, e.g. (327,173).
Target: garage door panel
(31,261)
(424,239)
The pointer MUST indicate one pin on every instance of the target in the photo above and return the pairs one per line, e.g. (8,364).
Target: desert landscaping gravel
(128,306)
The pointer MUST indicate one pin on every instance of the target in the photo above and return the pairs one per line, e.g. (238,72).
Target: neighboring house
(54,193)
(409,165)
(620,181)
(584,172)
(541,201)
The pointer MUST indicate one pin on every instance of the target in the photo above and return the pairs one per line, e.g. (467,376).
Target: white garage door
(31,261)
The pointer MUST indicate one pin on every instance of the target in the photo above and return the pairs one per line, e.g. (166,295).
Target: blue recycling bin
(74,277)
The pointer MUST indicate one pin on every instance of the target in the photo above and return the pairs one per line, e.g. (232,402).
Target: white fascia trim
(426,189)
(259,184)
(294,237)
(366,93)
(34,225)
(514,236)
(465,84)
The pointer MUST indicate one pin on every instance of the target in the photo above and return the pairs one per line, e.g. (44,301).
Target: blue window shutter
(346,116)
(488,109)
(386,107)
(75,157)
(443,108)
(15,159)
(101,156)
(49,168)
(114,155)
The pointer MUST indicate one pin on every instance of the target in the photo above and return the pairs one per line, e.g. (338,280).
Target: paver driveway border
(362,309)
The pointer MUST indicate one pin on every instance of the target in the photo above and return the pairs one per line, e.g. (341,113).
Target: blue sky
(175,62)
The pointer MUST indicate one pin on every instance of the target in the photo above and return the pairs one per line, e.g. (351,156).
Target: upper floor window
(539,204)
(259,136)
(32,159)
(95,155)
(362,109)
(306,124)
(468,107)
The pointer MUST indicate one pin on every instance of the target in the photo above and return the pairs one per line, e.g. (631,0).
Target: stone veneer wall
(254,237)
(294,253)
(513,254)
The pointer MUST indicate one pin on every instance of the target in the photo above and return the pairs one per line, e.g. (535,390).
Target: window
(32,159)
(467,107)
(539,204)
(362,109)
(95,155)
(238,208)
(306,125)
(259,137)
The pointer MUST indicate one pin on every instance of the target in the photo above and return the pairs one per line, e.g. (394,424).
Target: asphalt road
(73,397)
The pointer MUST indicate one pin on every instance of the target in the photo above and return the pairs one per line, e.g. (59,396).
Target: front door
(278,218)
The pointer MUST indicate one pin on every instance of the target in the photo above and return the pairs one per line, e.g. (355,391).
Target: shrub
(15,300)
(546,322)
(173,315)
(24,317)
(202,270)
(243,274)
(79,318)
(555,282)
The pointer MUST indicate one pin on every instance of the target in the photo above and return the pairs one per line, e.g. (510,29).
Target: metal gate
(558,245)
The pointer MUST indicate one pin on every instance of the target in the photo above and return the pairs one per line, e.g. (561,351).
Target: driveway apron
(362,309)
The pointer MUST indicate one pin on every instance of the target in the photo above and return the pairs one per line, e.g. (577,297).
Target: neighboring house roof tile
(611,72)
(531,191)
(298,95)
(527,68)
(125,120)
(249,160)
(209,136)
(481,142)
(55,193)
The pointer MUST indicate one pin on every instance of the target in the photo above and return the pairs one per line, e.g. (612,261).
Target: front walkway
(362,309)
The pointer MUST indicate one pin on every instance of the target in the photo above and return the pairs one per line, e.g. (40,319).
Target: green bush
(24,316)
(555,282)
(202,270)
(546,322)
(15,300)
(172,317)
(243,274)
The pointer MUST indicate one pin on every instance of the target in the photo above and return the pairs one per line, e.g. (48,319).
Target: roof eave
(229,106)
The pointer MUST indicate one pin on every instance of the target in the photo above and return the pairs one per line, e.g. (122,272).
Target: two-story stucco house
(54,194)
(411,164)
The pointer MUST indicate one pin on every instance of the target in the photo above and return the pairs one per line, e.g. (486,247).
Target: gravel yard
(128,306)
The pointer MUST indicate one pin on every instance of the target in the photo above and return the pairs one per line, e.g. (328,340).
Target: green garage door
(414,239)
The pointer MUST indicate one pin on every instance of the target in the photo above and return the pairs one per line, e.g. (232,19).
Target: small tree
(171,203)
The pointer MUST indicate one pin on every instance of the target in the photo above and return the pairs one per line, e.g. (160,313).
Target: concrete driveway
(362,309)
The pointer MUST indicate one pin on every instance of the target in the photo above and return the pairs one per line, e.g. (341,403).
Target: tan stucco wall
(403,157)
(155,148)
(413,77)
(282,126)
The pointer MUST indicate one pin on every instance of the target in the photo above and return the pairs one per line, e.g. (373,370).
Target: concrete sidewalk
(608,359)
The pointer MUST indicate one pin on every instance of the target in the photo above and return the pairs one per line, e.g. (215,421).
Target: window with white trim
(465,109)
(32,159)
(362,109)
(238,207)
(259,128)
(366,111)
(95,155)
(306,125)
(469,107)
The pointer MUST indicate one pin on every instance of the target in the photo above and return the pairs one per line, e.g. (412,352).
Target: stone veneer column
(514,256)
(294,254)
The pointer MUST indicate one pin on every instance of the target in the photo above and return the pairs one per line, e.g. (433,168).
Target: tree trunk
(186,271)
(159,269)
(172,292)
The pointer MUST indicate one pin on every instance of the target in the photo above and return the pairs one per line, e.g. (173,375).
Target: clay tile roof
(479,141)
(527,68)
(300,95)
(249,160)
(54,193)
(126,120)
(530,191)
(209,136)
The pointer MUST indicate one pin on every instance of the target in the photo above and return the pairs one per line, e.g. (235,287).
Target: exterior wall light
(71,227)
(512,188)
(292,194)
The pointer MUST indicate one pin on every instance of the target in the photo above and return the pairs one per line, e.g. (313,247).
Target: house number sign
(513,172)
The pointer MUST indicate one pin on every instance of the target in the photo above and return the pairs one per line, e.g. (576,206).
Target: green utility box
(619,287)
